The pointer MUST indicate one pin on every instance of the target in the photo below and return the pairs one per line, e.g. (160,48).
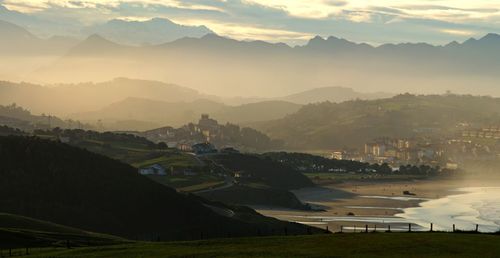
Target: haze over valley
(226,67)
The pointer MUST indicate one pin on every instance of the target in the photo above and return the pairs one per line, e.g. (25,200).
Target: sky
(291,21)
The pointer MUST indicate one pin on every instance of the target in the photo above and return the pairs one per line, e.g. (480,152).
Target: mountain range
(228,67)
(153,31)
(150,32)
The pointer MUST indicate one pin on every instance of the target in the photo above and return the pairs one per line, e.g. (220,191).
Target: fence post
(366,228)
(432,227)
(375,228)
(453,227)
(389,228)
(477,228)
(327,230)
(409,227)
(341,228)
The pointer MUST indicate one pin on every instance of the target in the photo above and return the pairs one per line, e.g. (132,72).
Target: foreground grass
(336,245)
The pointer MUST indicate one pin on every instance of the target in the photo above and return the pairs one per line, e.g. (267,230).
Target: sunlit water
(465,209)
(474,205)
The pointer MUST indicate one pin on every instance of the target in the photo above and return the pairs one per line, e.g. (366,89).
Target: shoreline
(353,205)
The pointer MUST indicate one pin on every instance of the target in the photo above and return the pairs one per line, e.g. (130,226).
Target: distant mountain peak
(96,37)
(490,37)
(212,36)
(155,31)
(156,21)
(316,38)
(97,40)
(95,44)
(11,31)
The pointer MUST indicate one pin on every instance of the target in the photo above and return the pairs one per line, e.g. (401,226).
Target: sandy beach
(355,204)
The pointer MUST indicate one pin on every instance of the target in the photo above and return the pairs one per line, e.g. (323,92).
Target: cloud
(292,21)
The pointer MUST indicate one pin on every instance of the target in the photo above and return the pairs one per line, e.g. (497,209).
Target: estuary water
(468,207)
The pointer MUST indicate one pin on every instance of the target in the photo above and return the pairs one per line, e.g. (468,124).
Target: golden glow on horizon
(241,32)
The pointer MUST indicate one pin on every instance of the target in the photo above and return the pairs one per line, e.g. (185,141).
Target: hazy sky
(292,21)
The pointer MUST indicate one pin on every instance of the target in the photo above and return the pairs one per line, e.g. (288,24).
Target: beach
(353,205)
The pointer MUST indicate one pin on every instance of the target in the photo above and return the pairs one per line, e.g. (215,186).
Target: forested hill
(352,123)
(53,181)
(5,131)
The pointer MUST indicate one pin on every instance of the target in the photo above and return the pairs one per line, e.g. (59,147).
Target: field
(189,183)
(336,245)
(171,158)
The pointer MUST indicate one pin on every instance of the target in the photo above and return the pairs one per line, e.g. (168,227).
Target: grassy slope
(338,245)
(189,183)
(20,231)
(171,158)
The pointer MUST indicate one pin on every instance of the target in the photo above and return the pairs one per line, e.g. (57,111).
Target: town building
(155,169)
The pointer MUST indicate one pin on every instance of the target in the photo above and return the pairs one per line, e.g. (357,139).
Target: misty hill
(226,66)
(152,111)
(17,41)
(330,125)
(20,118)
(95,44)
(332,94)
(65,99)
(76,188)
(178,113)
(22,52)
(257,111)
(154,31)
(13,32)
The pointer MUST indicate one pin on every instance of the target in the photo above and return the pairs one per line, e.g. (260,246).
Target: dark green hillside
(19,232)
(258,196)
(125,147)
(5,131)
(262,170)
(56,182)
(259,181)
(352,123)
